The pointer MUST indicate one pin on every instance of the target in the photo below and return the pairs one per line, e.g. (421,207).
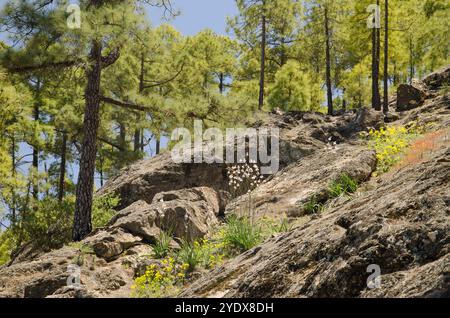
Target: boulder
(187,214)
(411,96)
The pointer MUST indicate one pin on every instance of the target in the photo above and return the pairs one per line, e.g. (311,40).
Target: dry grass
(422,148)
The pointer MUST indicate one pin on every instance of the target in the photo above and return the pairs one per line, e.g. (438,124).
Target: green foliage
(313,206)
(6,246)
(103,209)
(161,247)
(47,226)
(343,185)
(292,89)
(274,226)
(241,234)
(205,253)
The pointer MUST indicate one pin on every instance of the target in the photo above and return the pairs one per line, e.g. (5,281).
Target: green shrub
(103,209)
(343,185)
(161,247)
(6,246)
(241,234)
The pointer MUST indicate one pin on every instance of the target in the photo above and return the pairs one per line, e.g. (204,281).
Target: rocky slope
(399,221)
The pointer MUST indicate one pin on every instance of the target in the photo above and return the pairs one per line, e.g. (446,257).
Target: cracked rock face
(403,226)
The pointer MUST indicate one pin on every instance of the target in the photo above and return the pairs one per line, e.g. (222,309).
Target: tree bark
(328,64)
(122,137)
(137,139)
(221,83)
(13,173)
(35,163)
(62,167)
(411,60)
(344,101)
(263,62)
(85,186)
(376,103)
(377,68)
(386,58)
(158,145)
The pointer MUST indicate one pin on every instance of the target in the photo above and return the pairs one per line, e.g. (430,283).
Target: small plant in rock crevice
(241,233)
(161,247)
(313,206)
(344,184)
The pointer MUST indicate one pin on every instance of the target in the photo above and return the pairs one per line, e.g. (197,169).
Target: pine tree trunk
(137,132)
(375,76)
(122,137)
(263,62)
(328,64)
(221,83)
(13,174)
(344,101)
(35,163)
(158,145)
(386,58)
(62,167)
(137,140)
(85,186)
(376,104)
(411,61)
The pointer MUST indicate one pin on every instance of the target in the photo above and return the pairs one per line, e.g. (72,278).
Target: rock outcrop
(399,222)
(403,226)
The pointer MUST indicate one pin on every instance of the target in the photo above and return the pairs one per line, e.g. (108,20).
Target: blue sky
(197,15)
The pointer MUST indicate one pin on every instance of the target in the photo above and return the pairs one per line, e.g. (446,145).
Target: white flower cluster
(243,178)
(332,145)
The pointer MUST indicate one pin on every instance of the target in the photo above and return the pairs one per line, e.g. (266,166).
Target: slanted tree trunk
(328,63)
(386,58)
(263,61)
(62,167)
(85,186)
